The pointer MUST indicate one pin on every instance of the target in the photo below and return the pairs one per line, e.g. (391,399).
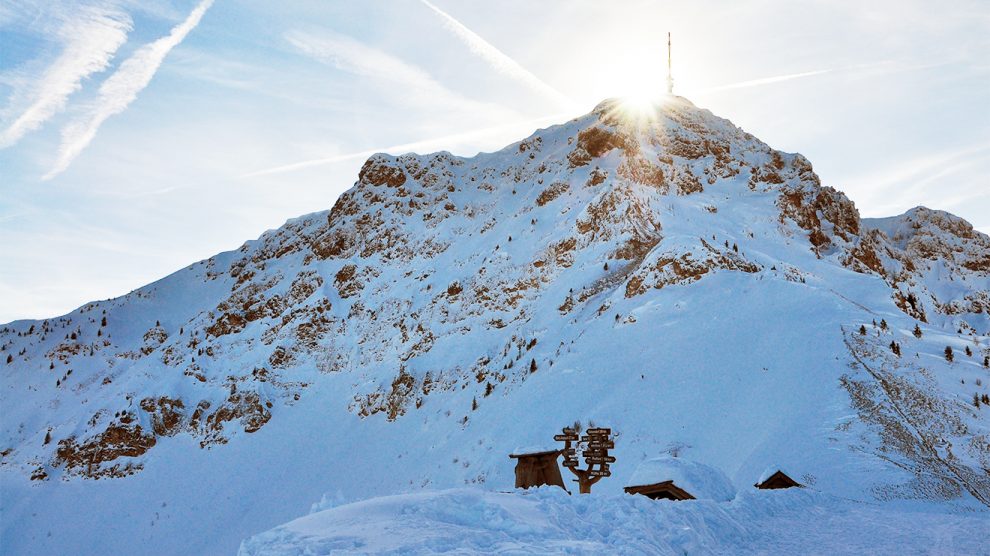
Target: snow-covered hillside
(662,273)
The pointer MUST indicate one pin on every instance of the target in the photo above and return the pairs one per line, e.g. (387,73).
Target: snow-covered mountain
(661,272)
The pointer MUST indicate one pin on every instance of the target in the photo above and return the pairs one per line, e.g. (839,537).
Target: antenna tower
(670,75)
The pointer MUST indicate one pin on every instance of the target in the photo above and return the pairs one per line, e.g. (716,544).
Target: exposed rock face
(121,440)
(166,414)
(428,254)
(920,251)
(667,268)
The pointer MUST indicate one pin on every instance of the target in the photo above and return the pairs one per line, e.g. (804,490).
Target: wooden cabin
(537,469)
(666,490)
(777,479)
(672,478)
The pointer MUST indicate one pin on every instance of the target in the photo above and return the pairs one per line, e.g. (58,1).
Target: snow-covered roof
(698,479)
(770,470)
(534,449)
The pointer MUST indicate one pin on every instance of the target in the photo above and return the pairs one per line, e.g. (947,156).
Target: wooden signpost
(593,446)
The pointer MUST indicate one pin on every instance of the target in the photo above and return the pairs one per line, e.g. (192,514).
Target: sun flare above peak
(646,93)
(643,106)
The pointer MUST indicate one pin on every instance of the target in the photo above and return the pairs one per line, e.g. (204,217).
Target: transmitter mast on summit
(670,75)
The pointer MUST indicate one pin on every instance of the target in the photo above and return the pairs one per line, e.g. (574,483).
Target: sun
(642,103)
(645,88)
(643,106)
(641,89)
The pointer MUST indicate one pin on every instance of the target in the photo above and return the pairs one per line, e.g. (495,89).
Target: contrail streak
(91,38)
(884,68)
(764,81)
(498,59)
(121,88)
(406,147)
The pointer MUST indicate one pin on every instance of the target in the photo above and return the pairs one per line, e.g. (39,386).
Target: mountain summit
(656,270)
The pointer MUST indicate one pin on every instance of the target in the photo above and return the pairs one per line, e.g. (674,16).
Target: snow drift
(548,521)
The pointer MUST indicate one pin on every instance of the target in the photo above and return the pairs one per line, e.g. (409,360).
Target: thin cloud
(496,58)
(407,147)
(418,87)
(90,37)
(906,182)
(917,168)
(121,88)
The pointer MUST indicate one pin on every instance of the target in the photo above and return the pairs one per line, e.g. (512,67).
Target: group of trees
(895,347)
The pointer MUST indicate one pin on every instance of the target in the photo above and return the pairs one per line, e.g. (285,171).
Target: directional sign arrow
(599,430)
(565,437)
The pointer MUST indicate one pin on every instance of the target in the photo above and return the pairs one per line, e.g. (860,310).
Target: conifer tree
(896,348)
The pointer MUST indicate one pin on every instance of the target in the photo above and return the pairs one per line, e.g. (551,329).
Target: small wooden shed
(670,478)
(774,478)
(538,468)
(666,490)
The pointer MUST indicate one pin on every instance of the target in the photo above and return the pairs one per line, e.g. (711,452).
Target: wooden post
(584,481)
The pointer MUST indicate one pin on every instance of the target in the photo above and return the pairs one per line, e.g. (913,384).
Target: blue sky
(138,137)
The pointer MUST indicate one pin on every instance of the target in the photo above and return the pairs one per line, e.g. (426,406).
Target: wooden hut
(537,468)
(666,490)
(773,479)
(670,478)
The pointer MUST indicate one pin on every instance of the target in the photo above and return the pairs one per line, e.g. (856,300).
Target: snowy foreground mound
(795,521)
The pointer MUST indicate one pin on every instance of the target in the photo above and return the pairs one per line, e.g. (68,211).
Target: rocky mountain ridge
(438,284)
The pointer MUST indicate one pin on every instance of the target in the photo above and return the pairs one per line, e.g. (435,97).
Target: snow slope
(664,274)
